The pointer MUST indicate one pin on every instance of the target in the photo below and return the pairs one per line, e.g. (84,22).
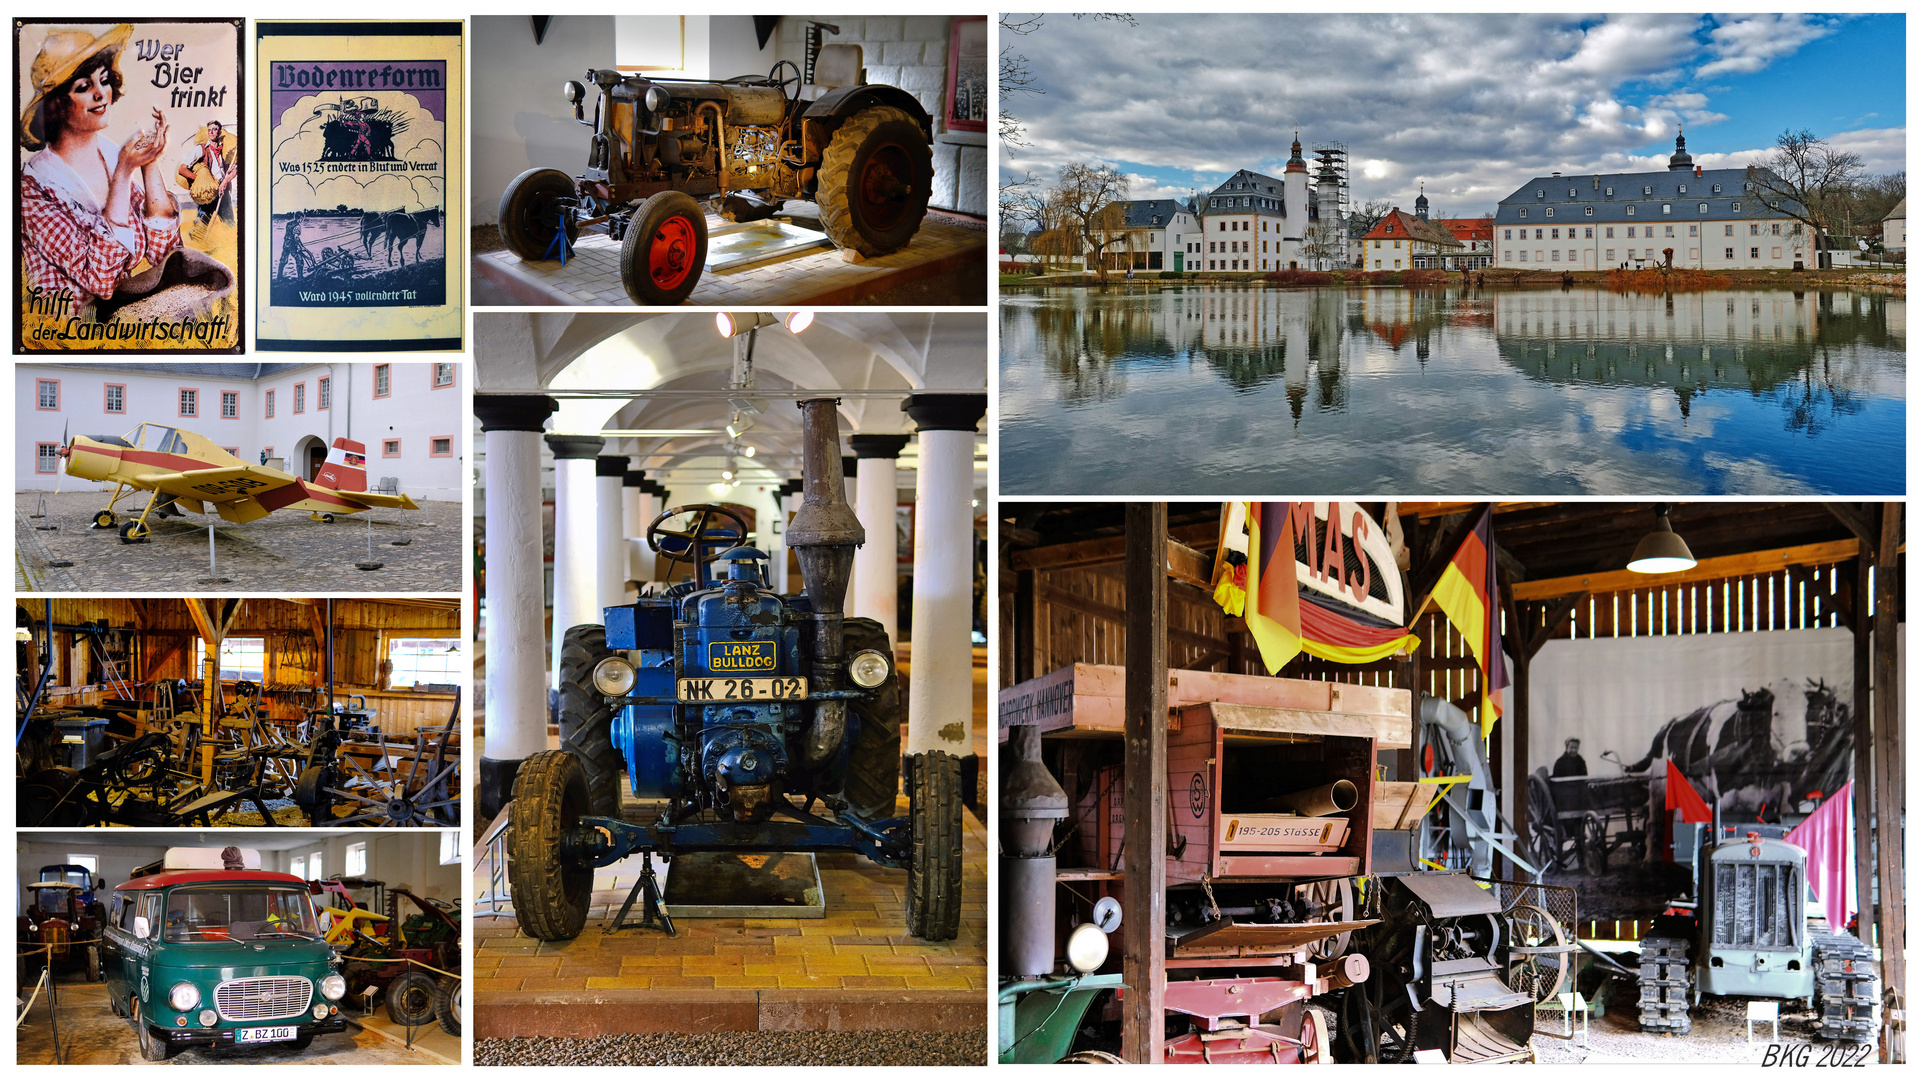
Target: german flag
(1262,581)
(1468,592)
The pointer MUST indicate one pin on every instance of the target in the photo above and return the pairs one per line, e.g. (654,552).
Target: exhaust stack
(823,536)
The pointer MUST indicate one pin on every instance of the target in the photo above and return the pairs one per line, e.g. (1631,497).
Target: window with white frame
(240,657)
(419,661)
(49,393)
(299,398)
(356,859)
(326,392)
(46,458)
(382,380)
(270,395)
(116,398)
(314,873)
(449,847)
(189,402)
(229,404)
(442,375)
(297,866)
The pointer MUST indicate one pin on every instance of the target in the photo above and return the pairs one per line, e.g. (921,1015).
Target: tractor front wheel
(586,720)
(446,1005)
(875,178)
(549,797)
(873,766)
(531,213)
(664,250)
(933,871)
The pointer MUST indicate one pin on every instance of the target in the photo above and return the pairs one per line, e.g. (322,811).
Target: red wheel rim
(885,186)
(669,256)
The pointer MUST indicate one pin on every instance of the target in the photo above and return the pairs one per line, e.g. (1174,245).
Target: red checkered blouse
(66,239)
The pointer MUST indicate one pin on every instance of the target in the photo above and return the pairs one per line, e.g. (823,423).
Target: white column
(786,498)
(850,470)
(576,588)
(514,629)
(609,512)
(638,492)
(940,707)
(876,566)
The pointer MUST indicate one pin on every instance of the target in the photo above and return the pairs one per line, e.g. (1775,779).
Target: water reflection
(1750,391)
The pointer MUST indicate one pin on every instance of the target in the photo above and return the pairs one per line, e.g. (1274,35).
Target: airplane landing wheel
(325,518)
(105,520)
(135,532)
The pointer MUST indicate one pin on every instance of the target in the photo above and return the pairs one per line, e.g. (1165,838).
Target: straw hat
(62,54)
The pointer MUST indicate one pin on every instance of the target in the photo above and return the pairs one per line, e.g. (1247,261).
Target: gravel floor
(1718,1035)
(744,1048)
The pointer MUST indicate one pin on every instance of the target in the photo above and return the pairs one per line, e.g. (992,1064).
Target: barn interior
(1687,810)
(392,878)
(181,712)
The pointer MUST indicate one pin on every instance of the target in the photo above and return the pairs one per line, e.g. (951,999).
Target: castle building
(1707,219)
(1259,223)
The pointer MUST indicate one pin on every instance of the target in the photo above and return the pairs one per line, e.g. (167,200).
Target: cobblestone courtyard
(281,552)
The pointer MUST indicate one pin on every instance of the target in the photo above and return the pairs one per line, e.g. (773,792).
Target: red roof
(1468,229)
(169,878)
(1400,225)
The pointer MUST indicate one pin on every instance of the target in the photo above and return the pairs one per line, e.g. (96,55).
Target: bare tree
(1365,216)
(1325,245)
(1090,197)
(1016,71)
(1806,179)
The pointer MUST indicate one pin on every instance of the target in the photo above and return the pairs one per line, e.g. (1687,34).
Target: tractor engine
(651,131)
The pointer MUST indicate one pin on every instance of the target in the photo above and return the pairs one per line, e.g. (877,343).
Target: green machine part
(1038,1019)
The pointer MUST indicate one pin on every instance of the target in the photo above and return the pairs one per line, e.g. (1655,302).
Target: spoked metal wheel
(401,791)
(1540,974)
(1336,898)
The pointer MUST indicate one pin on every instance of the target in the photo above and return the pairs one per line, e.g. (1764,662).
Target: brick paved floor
(592,275)
(283,551)
(860,944)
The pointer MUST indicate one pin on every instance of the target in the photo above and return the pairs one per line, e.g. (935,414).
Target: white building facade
(1157,234)
(1710,219)
(408,414)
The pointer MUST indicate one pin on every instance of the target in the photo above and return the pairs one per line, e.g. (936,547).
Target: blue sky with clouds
(1473,105)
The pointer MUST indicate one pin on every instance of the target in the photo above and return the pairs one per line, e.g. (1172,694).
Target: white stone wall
(1707,251)
(909,51)
(413,413)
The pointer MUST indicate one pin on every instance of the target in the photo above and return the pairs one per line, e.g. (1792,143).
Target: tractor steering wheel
(704,542)
(796,80)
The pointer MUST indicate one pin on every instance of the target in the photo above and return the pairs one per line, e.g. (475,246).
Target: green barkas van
(220,958)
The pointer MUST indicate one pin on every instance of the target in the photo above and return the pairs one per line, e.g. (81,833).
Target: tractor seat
(836,66)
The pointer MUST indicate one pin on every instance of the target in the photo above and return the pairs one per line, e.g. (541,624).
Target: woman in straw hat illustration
(93,210)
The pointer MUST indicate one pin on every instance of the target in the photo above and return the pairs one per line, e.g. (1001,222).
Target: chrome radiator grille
(263,999)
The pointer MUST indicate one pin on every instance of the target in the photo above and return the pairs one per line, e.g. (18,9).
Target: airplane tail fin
(345,468)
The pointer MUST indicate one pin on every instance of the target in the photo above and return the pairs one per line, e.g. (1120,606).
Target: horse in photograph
(398,227)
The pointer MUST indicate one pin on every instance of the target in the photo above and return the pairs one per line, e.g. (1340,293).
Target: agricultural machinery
(60,930)
(762,722)
(863,152)
(380,948)
(1751,930)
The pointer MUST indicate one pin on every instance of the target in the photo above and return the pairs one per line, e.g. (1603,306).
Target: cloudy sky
(1473,105)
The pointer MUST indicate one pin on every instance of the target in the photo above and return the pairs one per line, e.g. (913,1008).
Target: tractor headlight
(573,91)
(869,668)
(1086,948)
(183,996)
(657,99)
(333,987)
(613,677)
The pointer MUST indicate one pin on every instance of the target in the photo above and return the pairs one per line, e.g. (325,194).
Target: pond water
(1245,390)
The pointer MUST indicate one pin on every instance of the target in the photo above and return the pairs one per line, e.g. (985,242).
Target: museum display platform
(809,277)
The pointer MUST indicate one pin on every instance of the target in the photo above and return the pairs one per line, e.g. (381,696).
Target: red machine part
(1229,1011)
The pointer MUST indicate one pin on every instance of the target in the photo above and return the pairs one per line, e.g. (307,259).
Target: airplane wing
(396,502)
(230,484)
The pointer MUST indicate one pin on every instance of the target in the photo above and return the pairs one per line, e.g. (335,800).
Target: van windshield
(238,913)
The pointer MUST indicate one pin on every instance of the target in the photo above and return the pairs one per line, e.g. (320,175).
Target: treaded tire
(446,1005)
(873,766)
(875,153)
(549,797)
(586,720)
(521,227)
(409,998)
(151,1049)
(933,870)
(664,251)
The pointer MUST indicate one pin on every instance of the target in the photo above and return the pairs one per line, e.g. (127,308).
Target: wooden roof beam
(1725,566)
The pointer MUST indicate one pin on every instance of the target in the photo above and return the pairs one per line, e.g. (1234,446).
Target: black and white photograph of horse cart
(1758,724)
(359,257)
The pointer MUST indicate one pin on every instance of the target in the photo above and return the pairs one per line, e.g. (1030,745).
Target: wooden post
(1862,744)
(1025,625)
(1143,1026)
(1889,761)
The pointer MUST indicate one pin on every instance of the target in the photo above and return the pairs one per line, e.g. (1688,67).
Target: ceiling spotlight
(1661,551)
(739,425)
(797,321)
(726,474)
(735,323)
(751,451)
(736,483)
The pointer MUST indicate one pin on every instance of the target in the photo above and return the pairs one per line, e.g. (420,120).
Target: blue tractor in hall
(761,722)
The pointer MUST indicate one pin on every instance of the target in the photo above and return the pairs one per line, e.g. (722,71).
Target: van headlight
(333,987)
(868,668)
(183,996)
(613,677)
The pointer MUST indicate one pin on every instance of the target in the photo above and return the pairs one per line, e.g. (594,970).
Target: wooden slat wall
(295,672)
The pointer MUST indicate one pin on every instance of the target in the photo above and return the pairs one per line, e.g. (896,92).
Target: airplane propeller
(65,453)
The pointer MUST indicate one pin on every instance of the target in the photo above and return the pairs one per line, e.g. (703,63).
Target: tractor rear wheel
(875,178)
(873,766)
(664,250)
(933,870)
(409,998)
(549,797)
(586,720)
(446,1005)
(530,213)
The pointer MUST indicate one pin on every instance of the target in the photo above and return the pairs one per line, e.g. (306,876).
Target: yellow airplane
(182,469)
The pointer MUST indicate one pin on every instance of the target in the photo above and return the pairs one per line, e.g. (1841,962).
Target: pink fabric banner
(1827,838)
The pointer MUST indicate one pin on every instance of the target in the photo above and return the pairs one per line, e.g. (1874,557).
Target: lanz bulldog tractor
(742,711)
(862,152)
